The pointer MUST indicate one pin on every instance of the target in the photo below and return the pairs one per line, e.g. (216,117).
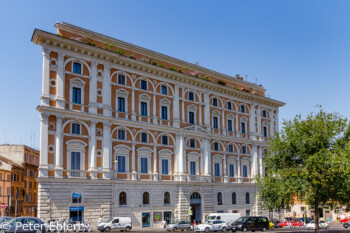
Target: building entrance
(196,204)
(76,214)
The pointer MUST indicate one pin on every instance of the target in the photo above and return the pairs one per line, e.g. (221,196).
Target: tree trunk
(317,217)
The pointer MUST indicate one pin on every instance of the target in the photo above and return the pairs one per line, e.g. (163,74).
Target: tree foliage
(309,161)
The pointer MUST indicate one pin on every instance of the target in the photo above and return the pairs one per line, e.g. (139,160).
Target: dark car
(23,225)
(250,223)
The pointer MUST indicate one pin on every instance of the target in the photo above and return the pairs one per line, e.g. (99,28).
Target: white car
(116,223)
(215,225)
(312,225)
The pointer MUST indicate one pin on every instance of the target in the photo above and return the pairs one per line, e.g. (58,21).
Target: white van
(116,223)
(229,218)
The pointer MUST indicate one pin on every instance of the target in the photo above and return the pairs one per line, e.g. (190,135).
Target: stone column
(155,161)
(59,148)
(92,150)
(254,159)
(44,140)
(45,97)
(183,105)
(155,117)
(239,179)
(259,123)
(226,178)
(176,108)
(133,161)
(260,161)
(200,111)
(252,133)
(60,100)
(106,90)
(237,126)
(133,113)
(206,157)
(93,89)
(179,172)
(207,111)
(107,150)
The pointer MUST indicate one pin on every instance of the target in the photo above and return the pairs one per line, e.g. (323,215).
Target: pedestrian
(99,220)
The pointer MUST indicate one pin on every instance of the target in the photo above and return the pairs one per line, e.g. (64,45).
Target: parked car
(27,224)
(345,220)
(5,219)
(312,225)
(215,225)
(179,225)
(250,223)
(347,224)
(229,218)
(116,223)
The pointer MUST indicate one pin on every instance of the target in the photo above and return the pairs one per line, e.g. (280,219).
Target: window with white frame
(231,170)
(244,150)
(264,113)
(192,143)
(144,158)
(144,137)
(243,128)
(77,68)
(217,169)
(121,155)
(229,105)
(215,122)
(265,131)
(165,166)
(121,104)
(193,163)
(76,128)
(164,113)
(164,109)
(121,164)
(229,125)
(165,140)
(165,162)
(215,102)
(230,148)
(219,197)
(192,114)
(75,163)
(77,91)
(144,165)
(190,96)
(144,109)
(193,168)
(245,171)
(76,155)
(242,108)
(122,100)
(216,146)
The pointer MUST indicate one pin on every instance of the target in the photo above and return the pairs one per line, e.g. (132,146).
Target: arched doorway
(196,204)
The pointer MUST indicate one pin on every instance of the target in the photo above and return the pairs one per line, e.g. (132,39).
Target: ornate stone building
(131,132)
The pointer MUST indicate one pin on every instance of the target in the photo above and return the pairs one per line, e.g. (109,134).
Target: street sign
(3,205)
(189,212)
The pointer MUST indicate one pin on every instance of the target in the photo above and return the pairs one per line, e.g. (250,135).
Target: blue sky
(298,50)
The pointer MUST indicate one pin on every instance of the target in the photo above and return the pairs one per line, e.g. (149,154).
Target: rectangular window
(121,164)
(143,137)
(76,95)
(143,85)
(245,171)
(164,113)
(229,125)
(75,163)
(191,117)
(215,102)
(143,109)
(191,96)
(244,150)
(75,128)
(217,169)
(243,128)
(264,114)
(121,104)
(76,68)
(242,108)
(193,168)
(165,140)
(8,191)
(121,79)
(144,165)
(230,148)
(247,213)
(232,170)
(164,90)
(229,105)
(165,168)
(265,131)
(121,134)
(192,143)
(215,123)
(216,146)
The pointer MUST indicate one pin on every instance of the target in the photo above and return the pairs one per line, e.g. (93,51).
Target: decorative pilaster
(107,150)
(260,161)
(254,159)
(92,150)
(59,148)
(45,98)
(133,161)
(93,89)
(207,111)
(176,109)
(252,129)
(60,101)
(179,158)
(259,123)
(226,178)
(155,170)
(237,128)
(239,179)
(106,90)
(133,103)
(44,139)
(155,118)
(223,127)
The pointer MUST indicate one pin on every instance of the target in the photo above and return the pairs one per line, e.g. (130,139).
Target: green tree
(308,161)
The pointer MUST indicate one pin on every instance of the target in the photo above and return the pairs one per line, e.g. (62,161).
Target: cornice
(142,125)
(91,53)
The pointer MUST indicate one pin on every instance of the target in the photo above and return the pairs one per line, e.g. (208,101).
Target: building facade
(18,173)
(131,132)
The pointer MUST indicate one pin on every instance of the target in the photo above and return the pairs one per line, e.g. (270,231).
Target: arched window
(247,198)
(195,196)
(122,198)
(234,198)
(145,198)
(219,198)
(166,198)
(76,198)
